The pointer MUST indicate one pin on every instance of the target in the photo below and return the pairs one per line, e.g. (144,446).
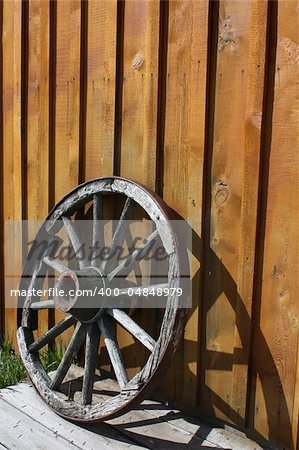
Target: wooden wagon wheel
(89,325)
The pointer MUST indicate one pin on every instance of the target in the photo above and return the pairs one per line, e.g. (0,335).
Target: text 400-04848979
(142,291)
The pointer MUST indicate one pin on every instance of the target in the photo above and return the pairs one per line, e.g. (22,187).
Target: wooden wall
(197,100)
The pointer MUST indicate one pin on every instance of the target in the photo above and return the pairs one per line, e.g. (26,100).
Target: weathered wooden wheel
(90,323)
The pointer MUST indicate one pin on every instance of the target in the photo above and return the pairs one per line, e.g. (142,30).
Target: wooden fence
(196,100)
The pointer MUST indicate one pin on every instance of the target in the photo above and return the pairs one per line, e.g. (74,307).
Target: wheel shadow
(147,433)
(249,330)
(213,360)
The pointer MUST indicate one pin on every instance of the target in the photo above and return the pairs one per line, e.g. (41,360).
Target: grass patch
(11,367)
(50,358)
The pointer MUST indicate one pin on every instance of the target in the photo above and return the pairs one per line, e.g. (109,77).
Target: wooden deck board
(26,422)
(19,430)
(24,398)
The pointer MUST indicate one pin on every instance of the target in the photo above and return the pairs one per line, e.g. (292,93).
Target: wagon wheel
(90,323)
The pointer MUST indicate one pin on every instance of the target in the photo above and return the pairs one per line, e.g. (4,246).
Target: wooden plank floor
(27,423)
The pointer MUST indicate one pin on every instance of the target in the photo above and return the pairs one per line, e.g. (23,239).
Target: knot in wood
(138,61)
(222,194)
(227,34)
(293,322)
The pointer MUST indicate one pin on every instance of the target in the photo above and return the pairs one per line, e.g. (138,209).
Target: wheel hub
(78,293)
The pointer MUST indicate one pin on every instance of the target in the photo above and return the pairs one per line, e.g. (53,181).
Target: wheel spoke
(106,327)
(98,229)
(127,265)
(120,231)
(44,304)
(92,343)
(75,241)
(133,327)
(52,333)
(54,264)
(72,349)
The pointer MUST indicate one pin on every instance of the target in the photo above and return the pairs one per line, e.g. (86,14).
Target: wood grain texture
(249,206)
(92,344)
(139,120)
(132,327)
(38,110)
(233,195)
(157,107)
(275,406)
(37,173)
(12,165)
(225,199)
(140,90)
(134,389)
(100,109)
(25,437)
(109,333)
(153,425)
(67,97)
(68,23)
(69,355)
(98,436)
(55,331)
(183,159)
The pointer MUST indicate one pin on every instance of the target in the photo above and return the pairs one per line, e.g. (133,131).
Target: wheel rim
(133,390)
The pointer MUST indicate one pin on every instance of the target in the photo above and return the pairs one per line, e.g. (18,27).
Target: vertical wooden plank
(140,89)
(67,100)
(67,97)
(12,189)
(101,85)
(101,64)
(2,296)
(233,192)
(249,201)
(275,406)
(183,160)
(38,123)
(295,415)
(38,85)
(139,123)
(222,243)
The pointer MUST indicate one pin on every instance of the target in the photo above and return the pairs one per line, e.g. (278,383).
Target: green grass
(11,367)
(51,358)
